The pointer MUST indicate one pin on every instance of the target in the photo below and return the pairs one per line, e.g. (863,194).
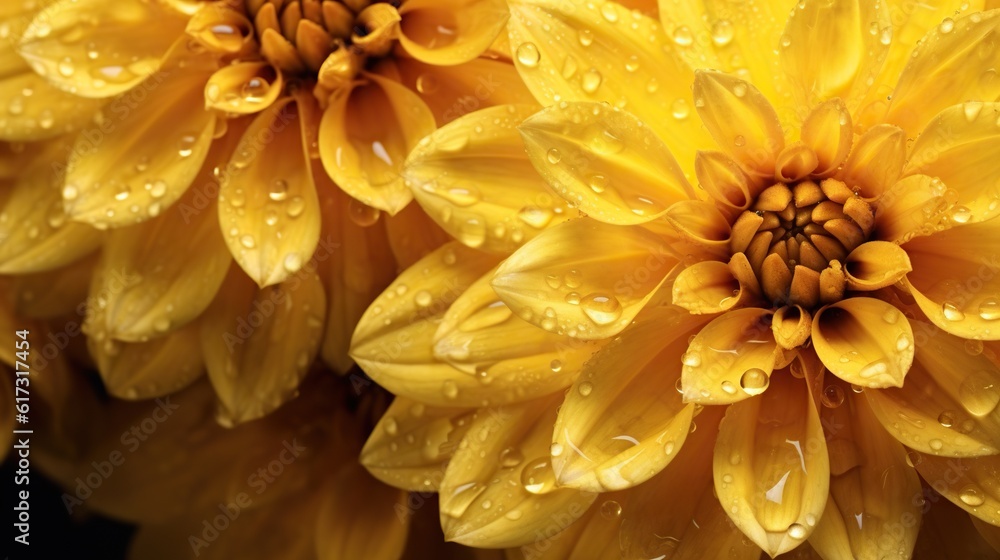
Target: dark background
(54,533)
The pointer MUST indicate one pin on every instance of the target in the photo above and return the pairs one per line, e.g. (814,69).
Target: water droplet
(833,396)
(537,476)
(586,37)
(391,426)
(722,32)
(585,388)
(602,309)
(556,449)
(740,89)
(936,444)
(961,214)
(611,509)
(947,26)
(295,207)
(554,156)
(157,189)
(683,36)
(598,183)
(902,342)
(978,394)
(878,367)
(913,458)
(680,109)
(248,241)
(570,66)
(450,389)
(292,262)
(65,67)
(946,419)
(972,496)
(362,214)
(989,309)
(556,366)
(797,531)
(510,458)
(952,312)
(185,146)
(754,381)
(691,359)
(278,191)
(528,55)
(740,141)
(728,387)
(591,80)
(423,298)
(255,90)
(123,192)
(669,448)
(632,64)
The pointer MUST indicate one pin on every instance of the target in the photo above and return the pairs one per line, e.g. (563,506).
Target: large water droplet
(528,55)
(754,381)
(602,309)
(537,476)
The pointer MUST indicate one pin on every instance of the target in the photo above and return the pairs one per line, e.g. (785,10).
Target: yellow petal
(970,483)
(268,206)
(356,264)
(37,236)
(221,29)
(723,180)
(990,533)
(708,287)
(828,131)
(875,161)
(730,359)
(144,155)
(740,119)
(412,234)
(791,326)
(956,279)
(129,38)
(566,53)
(915,205)
(145,370)
(35,110)
(771,467)
(872,507)
(354,504)
(258,343)
(54,293)
(948,405)
(864,341)
(450,32)
(875,265)
(487,501)
(697,227)
(453,91)
(952,64)
(474,179)
(605,161)
(956,148)
(412,443)
(852,39)
(592,294)
(623,421)
(500,358)
(365,135)
(159,275)
(394,340)
(243,88)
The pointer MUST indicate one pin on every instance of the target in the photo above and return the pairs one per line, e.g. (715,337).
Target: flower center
(796,237)
(332,40)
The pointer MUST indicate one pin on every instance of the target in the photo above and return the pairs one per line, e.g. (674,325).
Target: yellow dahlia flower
(822,307)
(197,133)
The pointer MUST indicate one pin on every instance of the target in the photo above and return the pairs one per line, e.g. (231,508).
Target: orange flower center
(796,239)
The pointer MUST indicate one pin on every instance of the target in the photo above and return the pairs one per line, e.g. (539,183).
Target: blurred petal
(364,159)
(149,147)
(412,443)
(604,161)
(771,466)
(730,359)
(952,64)
(353,504)
(565,53)
(145,370)
(479,497)
(268,207)
(474,179)
(258,343)
(957,147)
(447,32)
(969,483)
(453,91)
(37,236)
(592,294)
(54,293)
(130,39)
(36,110)
(852,39)
(864,341)
(623,421)
(948,405)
